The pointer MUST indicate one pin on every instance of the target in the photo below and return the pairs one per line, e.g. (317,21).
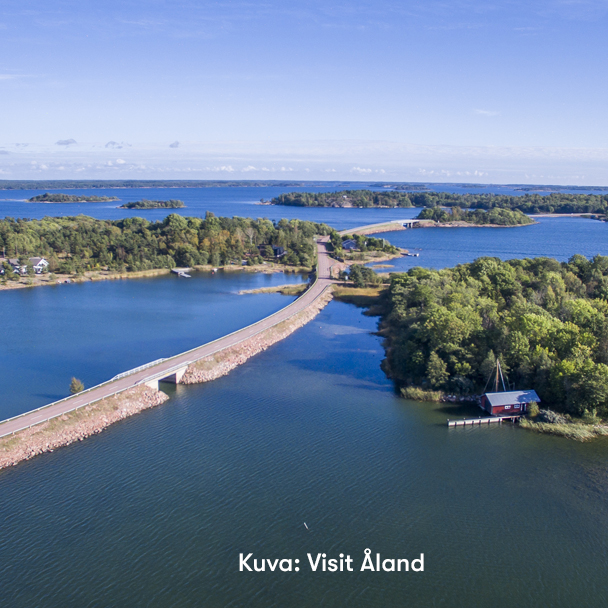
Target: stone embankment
(76,425)
(92,419)
(378,229)
(224,361)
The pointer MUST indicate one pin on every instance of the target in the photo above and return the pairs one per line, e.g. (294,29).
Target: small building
(279,252)
(38,264)
(17,267)
(349,244)
(508,403)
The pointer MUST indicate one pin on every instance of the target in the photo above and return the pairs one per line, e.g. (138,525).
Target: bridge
(382,227)
(172,369)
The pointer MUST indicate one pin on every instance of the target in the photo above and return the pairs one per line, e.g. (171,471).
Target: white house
(38,264)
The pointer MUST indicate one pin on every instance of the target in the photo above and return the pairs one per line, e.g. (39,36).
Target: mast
(499,371)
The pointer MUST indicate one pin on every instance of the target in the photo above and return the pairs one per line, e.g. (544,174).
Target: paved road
(387,225)
(110,388)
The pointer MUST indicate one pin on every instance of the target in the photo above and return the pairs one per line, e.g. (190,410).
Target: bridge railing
(149,365)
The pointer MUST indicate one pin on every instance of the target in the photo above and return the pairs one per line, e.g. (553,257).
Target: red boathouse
(508,403)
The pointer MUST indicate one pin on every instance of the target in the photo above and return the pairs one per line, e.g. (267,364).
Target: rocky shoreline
(77,425)
(223,362)
(93,419)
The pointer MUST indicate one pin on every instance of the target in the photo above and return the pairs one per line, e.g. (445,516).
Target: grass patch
(286,290)
(363,297)
(415,393)
(579,431)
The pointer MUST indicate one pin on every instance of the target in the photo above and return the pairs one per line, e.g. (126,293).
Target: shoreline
(94,418)
(93,276)
(77,425)
(431,224)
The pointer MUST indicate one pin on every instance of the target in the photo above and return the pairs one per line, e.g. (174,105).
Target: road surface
(165,368)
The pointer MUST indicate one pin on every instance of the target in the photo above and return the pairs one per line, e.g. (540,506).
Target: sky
(455,91)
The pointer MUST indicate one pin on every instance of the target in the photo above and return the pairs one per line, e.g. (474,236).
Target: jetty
(483,420)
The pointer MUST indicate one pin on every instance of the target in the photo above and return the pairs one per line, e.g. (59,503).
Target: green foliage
(77,244)
(362,276)
(546,321)
(146,204)
(70,198)
(494,217)
(415,393)
(555,202)
(533,409)
(344,198)
(76,386)
(436,371)
(366,243)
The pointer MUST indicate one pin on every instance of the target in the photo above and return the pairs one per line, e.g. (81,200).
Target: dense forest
(556,202)
(547,322)
(146,204)
(480,217)
(69,198)
(344,198)
(77,244)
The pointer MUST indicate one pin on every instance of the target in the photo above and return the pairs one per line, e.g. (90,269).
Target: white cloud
(120,161)
(486,112)
(361,170)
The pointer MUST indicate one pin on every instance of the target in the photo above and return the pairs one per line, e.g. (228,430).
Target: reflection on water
(155,510)
(559,238)
(96,330)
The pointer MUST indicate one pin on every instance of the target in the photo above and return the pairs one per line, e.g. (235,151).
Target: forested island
(478,217)
(555,202)
(146,204)
(74,245)
(56,184)
(547,322)
(344,198)
(69,198)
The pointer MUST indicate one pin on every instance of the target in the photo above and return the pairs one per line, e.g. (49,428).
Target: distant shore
(41,280)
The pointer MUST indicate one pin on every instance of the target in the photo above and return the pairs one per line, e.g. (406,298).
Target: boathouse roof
(512,397)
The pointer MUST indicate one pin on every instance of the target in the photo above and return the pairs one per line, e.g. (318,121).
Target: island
(552,203)
(146,204)
(455,216)
(547,322)
(70,198)
(84,248)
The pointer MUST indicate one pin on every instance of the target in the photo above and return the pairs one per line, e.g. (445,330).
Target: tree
(76,386)
(436,370)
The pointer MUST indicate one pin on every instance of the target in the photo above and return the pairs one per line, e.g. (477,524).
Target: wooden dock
(480,420)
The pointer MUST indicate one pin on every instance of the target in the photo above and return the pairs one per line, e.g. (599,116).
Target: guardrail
(141,368)
(152,364)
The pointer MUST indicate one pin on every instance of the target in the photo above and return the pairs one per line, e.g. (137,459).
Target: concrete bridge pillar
(176,376)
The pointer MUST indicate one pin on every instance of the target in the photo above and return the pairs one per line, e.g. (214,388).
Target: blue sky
(451,91)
